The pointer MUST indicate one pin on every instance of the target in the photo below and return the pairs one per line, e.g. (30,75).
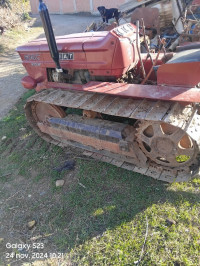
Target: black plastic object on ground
(68,165)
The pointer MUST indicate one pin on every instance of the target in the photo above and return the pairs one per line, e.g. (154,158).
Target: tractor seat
(185,57)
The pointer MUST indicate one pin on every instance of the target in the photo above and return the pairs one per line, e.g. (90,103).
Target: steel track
(185,117)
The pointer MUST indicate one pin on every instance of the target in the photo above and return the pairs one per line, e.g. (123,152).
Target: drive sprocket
(166,145)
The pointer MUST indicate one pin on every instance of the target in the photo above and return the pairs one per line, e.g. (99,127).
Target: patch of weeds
(4,175)
(182,158)
(26,16)
(38,177)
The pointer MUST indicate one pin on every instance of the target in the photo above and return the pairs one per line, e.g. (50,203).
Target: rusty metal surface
(164,144)
(184,117)
(114,137)
(130,5)
(103,104)
(167,93)
(129,106)
(103,130)
(138,109)
(165,11)
(143,109)
(63,138)
(159,109)
(42,111)
(164,7)
(85,140)
(150,16)
(137,91)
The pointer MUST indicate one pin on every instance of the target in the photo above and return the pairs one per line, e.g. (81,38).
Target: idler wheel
(43,111)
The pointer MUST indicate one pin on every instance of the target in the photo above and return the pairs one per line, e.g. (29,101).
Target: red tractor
(96,91)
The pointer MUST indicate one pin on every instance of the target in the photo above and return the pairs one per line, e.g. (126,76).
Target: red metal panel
(196,2)
(92,141)
(29,83)
(148,64)
(179,74)
(159,92)
(102,53)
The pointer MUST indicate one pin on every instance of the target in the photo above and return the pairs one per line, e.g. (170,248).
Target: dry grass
(14,16)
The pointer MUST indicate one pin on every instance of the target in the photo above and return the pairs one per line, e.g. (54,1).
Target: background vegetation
(13,13)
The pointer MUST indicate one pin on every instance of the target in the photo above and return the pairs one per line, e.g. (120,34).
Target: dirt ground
(11,69)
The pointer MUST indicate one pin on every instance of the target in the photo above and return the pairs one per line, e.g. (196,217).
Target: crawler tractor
(96,91)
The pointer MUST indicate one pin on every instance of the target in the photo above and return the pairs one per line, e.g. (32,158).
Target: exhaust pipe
(46,22)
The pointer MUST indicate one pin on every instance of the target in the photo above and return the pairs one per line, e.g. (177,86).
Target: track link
(184,117)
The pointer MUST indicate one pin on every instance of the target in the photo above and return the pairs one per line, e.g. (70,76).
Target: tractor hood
(106,53)
(64,43)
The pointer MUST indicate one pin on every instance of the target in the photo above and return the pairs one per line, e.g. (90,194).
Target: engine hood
(64,42)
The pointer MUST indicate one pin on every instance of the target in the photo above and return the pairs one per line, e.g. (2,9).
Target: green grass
(25,149)
(109,220)
(17,36)
(101,217)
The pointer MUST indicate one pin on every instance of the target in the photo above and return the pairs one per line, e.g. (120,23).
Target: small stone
(60,183)
(1,240)
(3,138)
(31,224)
(170,221)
